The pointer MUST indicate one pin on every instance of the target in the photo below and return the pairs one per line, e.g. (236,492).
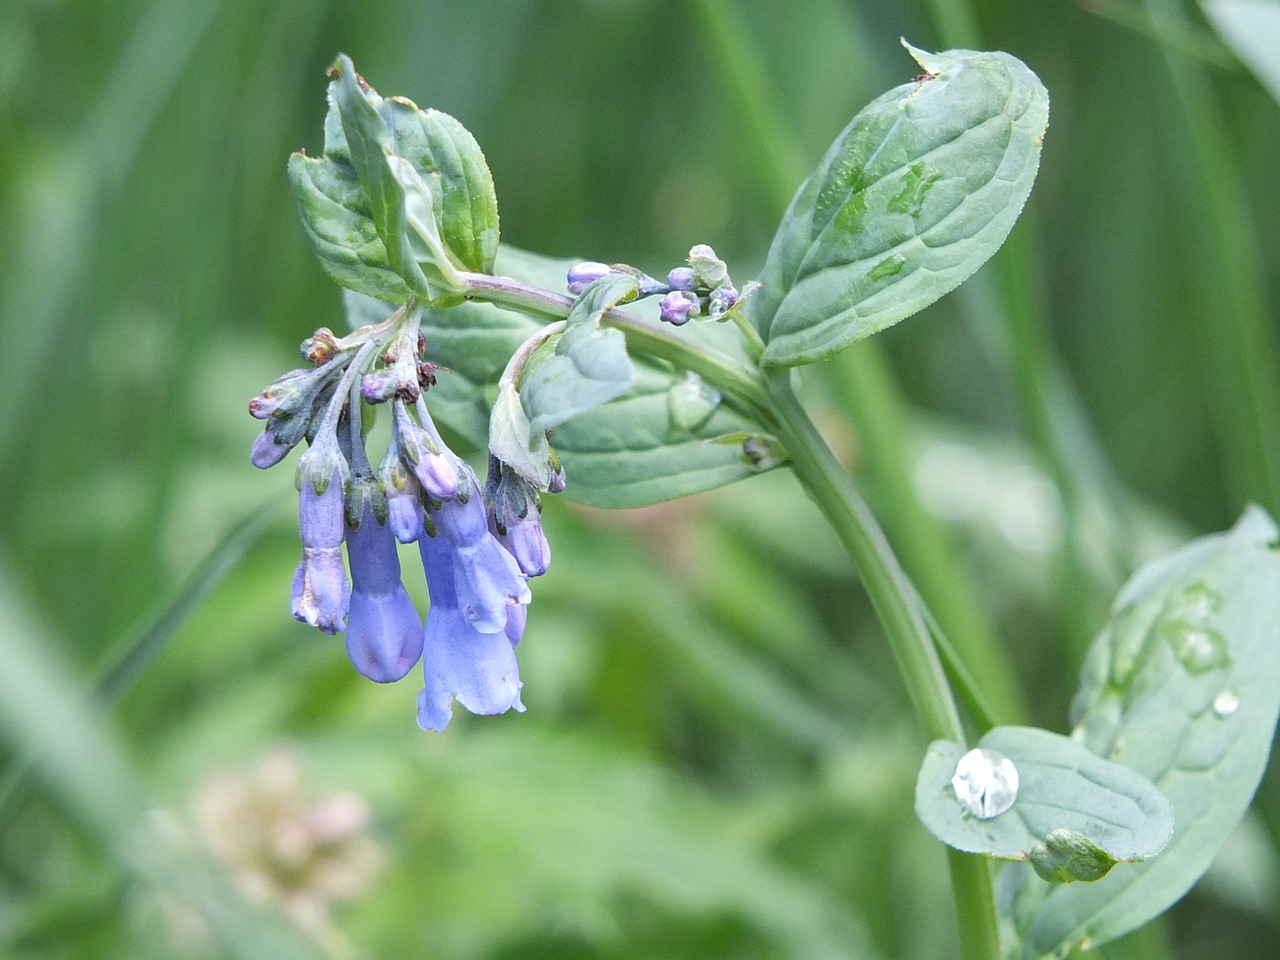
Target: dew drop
(1199,648)
(1226,702)
(985,782)
(1198,603)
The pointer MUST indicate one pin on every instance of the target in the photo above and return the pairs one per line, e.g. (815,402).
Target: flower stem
(741,386)
(895,601)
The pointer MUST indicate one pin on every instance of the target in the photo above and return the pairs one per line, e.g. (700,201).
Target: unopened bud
(677,307)
(378,386)
(682,278)
(320,346)
(268,450)
(285,394)
(584,274)
(721,301)
(707,267)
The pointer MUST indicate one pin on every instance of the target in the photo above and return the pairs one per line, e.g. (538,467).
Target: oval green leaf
(1075,814)
(1183,686)
(919,191)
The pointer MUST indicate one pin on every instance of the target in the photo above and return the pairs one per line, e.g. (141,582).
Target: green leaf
(919,191)
(1251,28)
(403,193)
(636,450)
(462,188)
(630,452)
(513,440)
(1075,814)
(1183,686)
(335,216)
(589,365)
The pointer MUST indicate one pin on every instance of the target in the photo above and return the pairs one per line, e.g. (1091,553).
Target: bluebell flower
(384,631)
(466,657)
(682,278)
(487,578)
(435,467)
(515,520)
(404,501)
(321,593)
(268,449)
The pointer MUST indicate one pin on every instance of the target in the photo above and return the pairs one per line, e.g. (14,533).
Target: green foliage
(1252,29)
(1183,687)
(417,176)
(915,194)
(709,667)
(588,366)
(1075,814)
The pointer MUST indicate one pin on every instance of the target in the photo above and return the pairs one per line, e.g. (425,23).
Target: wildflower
(321,593)
(384,631)
(514,519)
(682,278)
(486,577)
(423,453)
(470,658)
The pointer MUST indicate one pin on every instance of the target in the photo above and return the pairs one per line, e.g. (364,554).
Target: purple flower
(526,542)
(486,578)
(678,306)
(682,278)
(435,468)
(268,449)
(384,631)
(459,658)
(514,519)
(321,593)
(584,274)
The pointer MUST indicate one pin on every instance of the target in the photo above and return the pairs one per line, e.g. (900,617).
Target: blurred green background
(717,759)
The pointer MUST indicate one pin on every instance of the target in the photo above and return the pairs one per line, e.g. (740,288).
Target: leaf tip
(928,62)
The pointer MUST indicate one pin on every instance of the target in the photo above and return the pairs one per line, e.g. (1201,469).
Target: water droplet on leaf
(1198,648)
(985,782)
(1226,702)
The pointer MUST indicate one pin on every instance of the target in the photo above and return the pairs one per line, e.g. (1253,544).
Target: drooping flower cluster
(479,545)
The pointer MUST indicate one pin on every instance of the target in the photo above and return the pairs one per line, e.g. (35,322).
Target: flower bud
(320,346)
(268,450)
(707,267)
(677,307)
(584,274)
(721,301)
(284,395)
(434,467)
(404,504)
(513,517)
(682,278)
(378,386)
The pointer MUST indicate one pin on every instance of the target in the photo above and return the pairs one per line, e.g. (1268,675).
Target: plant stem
(741,386)
(891,593)
(895,602)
